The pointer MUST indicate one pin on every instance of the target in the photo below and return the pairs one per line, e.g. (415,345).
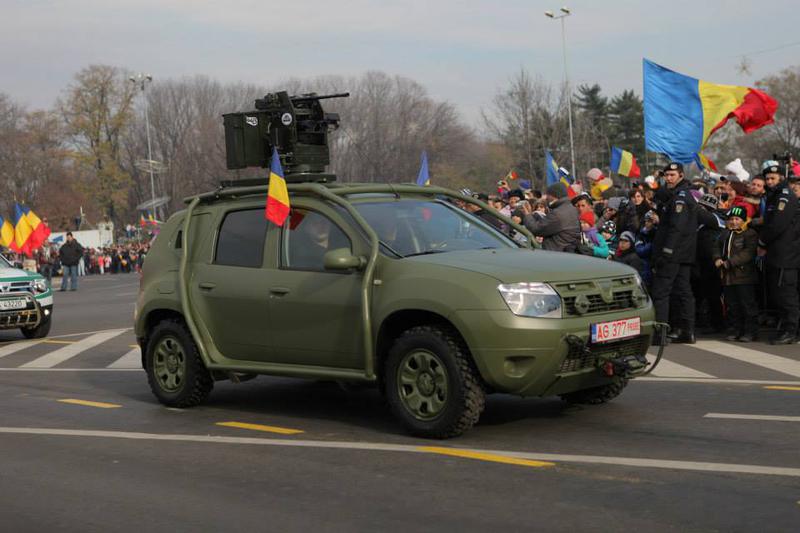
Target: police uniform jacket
(780,234)
(676,238)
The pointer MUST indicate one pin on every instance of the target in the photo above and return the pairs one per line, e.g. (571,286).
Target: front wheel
(175,370)
(431,383)
(40,331)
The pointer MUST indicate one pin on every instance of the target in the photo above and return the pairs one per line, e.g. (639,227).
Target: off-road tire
(40,331)
(197,381)
(466,396)
(596,395)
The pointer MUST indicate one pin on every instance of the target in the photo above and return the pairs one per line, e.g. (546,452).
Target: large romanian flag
(22,232)
(624,164)
(278,195)
(681,112)
(6,233)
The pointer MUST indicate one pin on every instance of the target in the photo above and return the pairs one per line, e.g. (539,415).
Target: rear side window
(241,239)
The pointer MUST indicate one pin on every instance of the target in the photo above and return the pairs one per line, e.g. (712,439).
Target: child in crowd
(626,252)
(609,232)
(734,256)
(590,237)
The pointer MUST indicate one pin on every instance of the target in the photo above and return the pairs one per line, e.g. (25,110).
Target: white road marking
(668,369)
(406,448)
(15,347)
(720,381)
(783,365)
(771,418)
(67,352)
(132,359)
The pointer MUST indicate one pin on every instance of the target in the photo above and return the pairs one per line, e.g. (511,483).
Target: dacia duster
(392,285)
(26,301)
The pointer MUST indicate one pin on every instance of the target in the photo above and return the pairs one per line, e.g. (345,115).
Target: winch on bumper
(543,357)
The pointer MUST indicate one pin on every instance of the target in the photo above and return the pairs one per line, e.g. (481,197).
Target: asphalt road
(711,443)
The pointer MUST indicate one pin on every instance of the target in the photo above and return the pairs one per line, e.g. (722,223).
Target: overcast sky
(461,50)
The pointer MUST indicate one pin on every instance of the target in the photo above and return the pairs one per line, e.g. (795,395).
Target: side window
(241,239)
(307,236)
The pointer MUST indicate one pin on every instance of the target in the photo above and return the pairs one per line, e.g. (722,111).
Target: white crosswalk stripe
(755,357)
(15,347)
(668,369)
(67,352)
(132,359)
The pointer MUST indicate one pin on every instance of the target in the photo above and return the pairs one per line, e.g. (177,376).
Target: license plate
(15,303)
(616,329)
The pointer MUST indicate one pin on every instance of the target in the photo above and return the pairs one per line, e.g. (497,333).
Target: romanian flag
(40,230)
(278,195)
(624,164)
(22,232)
(6,233)
(512,175)
(551,168)
(704,163)
(681,113)
(424,178)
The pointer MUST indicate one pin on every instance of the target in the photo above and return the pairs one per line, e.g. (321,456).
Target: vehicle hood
(9,273)
(517,265)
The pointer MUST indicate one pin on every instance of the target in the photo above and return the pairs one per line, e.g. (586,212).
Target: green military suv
(26,301)
(395,286)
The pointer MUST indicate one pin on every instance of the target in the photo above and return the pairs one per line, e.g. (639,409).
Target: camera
(724,197)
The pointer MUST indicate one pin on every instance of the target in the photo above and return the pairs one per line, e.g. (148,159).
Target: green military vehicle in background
(390,285)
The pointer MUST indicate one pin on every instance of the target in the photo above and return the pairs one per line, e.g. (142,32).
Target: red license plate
(616,329)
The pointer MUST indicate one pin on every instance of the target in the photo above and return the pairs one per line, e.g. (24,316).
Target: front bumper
(36,310)
(542,357)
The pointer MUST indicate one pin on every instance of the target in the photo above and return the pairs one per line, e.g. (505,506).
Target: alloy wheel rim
(169,364)
(422,384)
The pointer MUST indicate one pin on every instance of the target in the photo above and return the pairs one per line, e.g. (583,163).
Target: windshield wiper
(427,252)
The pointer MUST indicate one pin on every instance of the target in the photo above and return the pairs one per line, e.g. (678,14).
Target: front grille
(24,317)
(16,286)
(622,300)
(578,358)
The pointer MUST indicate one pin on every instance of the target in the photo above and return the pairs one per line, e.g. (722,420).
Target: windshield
(4,262)
(415,227)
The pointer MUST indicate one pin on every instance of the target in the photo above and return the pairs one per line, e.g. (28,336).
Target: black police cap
(673,166)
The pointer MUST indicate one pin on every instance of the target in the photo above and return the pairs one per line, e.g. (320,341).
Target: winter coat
(676,238)
(781,230)
(560,227)
(738,250)
(70,253)
(592,238)
(630,258)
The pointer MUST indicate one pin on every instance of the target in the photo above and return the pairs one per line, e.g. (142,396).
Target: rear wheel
(175,370)
(40,331)
(431,383)
(596,395)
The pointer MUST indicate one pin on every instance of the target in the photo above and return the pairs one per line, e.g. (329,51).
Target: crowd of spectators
(724,249)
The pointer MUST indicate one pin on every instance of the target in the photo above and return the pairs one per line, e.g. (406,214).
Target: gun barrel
(318,97)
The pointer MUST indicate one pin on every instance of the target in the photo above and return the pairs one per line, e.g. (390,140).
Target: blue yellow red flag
(681,113)
(704,162)
(624,164)
(423,178)
(277,208)
(22,232)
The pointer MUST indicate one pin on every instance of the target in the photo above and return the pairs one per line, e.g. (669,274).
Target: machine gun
(296,125)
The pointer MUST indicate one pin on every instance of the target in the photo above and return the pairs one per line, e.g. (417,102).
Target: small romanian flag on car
(277,208)
(623,163)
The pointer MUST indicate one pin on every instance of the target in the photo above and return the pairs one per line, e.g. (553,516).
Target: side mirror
(343,259)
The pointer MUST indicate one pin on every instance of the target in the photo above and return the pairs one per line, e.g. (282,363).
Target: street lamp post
(141,80)
(565,12)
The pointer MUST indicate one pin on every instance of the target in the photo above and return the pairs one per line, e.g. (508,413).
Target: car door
(230,288)
(315,314)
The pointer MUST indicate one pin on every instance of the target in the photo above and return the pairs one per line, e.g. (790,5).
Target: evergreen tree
(626,122)
(594,106)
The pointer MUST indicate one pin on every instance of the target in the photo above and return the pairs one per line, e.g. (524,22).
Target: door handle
(206,285)
(279,291)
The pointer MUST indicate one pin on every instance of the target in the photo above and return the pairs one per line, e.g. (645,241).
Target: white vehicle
(26,301)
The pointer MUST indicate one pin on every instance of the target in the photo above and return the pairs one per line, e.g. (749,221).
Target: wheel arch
(153,318)
(401,320)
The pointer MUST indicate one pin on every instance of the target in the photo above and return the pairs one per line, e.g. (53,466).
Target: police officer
(674,249)
(780,239)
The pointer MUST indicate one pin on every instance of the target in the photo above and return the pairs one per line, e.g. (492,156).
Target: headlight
(40,285)
(532,299)
(640,297)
